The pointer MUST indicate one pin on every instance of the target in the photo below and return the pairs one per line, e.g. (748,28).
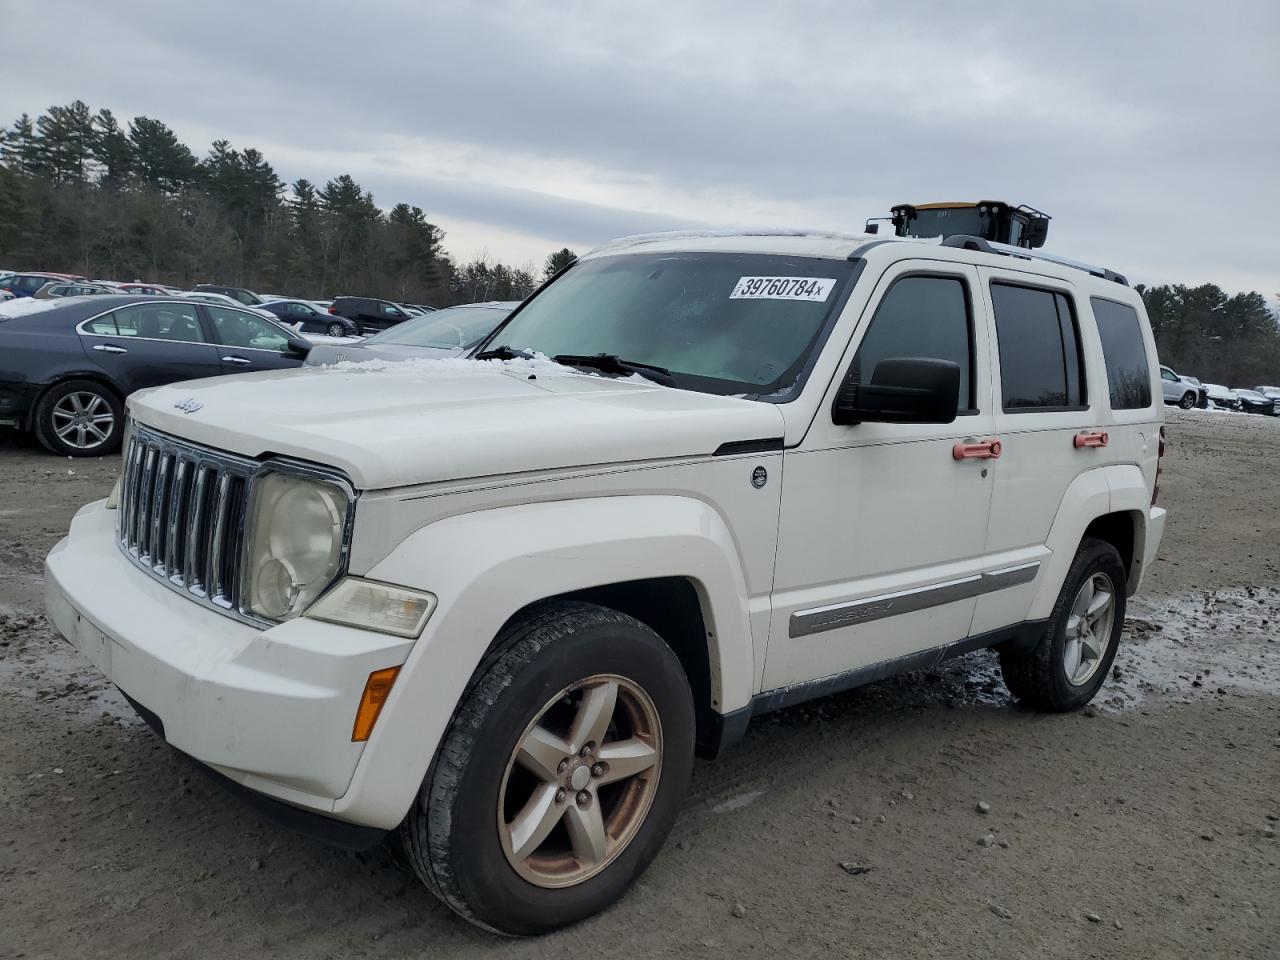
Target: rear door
(248,342)
(150,344)
(1042,401)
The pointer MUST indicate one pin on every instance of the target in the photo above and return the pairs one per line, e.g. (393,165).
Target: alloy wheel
(83,420)
(580,781)
(1089,628)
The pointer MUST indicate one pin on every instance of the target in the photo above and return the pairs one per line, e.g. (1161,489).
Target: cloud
(1149,133)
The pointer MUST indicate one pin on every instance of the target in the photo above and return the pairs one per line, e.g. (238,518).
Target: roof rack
(965,242)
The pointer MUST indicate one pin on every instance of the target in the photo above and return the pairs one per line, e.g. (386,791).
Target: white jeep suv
(496,605)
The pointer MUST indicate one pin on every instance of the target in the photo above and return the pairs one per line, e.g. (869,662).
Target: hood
(356,351)
(390,424)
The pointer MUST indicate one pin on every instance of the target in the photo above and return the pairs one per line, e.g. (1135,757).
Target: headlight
(294,543)
(375,606)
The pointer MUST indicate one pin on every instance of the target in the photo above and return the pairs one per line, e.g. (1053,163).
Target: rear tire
(1067,667)
(80,418)
(336,330)
(522,843)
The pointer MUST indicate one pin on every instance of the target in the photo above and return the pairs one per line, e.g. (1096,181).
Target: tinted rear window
(1128,376)
(1040,363)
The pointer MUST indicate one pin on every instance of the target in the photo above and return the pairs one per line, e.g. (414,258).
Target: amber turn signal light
(376,690)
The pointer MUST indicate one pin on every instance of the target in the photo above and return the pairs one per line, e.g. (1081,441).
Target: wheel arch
(663,559)
(62,378)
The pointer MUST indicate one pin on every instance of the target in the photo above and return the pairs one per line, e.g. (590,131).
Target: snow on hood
(389,423)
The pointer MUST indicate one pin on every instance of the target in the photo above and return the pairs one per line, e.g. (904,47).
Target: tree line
(1203,332)
(82,193)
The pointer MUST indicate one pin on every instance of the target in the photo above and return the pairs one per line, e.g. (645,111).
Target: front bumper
(272,710)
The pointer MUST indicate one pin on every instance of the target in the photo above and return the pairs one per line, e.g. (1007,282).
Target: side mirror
(871,227)
(902,390)
(300,346)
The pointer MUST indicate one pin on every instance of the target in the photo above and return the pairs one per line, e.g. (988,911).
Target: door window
(151,321)
(1168,375)
(389,311)
(235,328)
(1040,360)
(1128,379)
(922,316)
(299,310)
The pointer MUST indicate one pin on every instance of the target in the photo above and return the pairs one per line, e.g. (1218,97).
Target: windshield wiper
(612,363)
(503,353)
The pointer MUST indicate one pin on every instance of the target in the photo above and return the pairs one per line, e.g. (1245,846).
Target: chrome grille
(182,514)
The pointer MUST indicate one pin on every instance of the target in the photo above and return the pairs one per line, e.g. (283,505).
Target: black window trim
(1069,295)
(972,410)
(1146,356)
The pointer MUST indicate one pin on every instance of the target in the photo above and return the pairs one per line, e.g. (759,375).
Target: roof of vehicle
(82,308)
(491,304)
(836,245)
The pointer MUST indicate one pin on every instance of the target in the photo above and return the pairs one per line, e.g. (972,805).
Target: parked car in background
(224,300)
(68,367)
(239,294)
(1184,391)
(1272,392)
(26,284)
(1223,398)
(441,333)
(152,289)
(370,315)
(312,317)
(1251,401)
(60,288)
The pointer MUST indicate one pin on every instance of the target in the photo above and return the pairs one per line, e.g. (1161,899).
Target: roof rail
(966,242)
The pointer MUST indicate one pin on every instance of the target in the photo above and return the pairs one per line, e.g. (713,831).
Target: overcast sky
(1151,132)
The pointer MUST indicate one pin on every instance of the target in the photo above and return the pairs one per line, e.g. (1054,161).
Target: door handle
(239,360)
(977,450)
(109,348)
(1091,438)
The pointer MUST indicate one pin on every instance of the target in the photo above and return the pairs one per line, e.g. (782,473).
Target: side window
(102,326)
(1166,374)
(298,310)
(239,329)
(1040,359)
(1128,376)
(159,321)
(922,317)
(389,310)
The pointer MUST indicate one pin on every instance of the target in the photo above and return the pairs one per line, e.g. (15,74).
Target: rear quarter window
(1128,376)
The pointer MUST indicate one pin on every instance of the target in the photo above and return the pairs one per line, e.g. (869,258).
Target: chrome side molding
(837,615)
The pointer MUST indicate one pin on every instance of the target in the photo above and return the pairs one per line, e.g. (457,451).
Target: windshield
(947,222)
(448,329)
(728,323)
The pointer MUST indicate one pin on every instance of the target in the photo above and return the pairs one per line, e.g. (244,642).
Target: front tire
(1070,663)
(80,418)
(561,773)
(1188,401)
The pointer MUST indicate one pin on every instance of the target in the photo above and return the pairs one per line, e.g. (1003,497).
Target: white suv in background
(497,606)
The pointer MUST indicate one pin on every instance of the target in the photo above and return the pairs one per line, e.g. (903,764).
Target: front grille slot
(182,513)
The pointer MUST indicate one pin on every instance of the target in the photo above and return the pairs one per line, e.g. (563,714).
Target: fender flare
(485,566)
(1093,494)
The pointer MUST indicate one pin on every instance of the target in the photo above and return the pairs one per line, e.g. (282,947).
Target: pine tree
(557,261)
(162,160)
(112,149)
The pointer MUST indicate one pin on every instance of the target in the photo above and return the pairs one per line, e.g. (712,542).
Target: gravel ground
(923,816)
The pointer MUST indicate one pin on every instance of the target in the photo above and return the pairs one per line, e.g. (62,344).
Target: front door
(249,342)
(883,526)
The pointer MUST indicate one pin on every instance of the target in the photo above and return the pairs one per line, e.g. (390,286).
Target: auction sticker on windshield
(783,288)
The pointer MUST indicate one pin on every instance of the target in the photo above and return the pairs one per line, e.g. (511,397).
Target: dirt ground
(1144,827)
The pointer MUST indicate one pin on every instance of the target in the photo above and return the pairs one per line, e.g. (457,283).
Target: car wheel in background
(561,773)
(1188,401)
(80,418)
(1066,668)
(336,330)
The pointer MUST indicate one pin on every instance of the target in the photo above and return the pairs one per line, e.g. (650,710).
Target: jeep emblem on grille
(189,405)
